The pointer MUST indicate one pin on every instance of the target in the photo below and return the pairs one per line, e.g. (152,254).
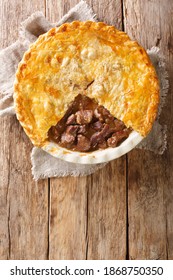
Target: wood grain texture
(99,235)
(68,196)
(88,218)
(150,195)
(109,11)
(107,212)
(107,188)
(68,218)
(23,203)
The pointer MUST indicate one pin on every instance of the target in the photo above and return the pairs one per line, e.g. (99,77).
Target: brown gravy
(88,126)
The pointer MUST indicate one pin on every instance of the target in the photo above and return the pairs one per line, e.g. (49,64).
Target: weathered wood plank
(107,225)
(68,212)
(88,215)
(56,9)
(150,195)
(107,212)
(68,196)
(107,188)
(166,45)
(108,11)
(23,203)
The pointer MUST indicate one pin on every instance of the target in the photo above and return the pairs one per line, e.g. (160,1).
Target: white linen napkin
(43,164)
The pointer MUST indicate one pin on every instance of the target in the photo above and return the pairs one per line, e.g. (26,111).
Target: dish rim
(95,157)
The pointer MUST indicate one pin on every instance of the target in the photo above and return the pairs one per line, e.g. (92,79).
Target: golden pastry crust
(65,60)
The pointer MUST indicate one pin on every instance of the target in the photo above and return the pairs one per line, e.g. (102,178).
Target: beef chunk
(83,143)
(67,139)
(71,119)
(98,115)
(103,114)
(121,135)
(117,137)
(102,145)
(69,136)
(84,116)
(87,126)
(72,129)
(106,114)
(119,125)
(97,126)
(112,141)
(100,136)
(82,129)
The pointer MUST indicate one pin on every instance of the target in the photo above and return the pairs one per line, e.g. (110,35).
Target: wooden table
(125,210)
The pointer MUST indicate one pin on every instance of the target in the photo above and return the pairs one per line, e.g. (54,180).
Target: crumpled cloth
(43,164)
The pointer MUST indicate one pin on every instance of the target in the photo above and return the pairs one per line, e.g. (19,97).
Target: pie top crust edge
(126,101)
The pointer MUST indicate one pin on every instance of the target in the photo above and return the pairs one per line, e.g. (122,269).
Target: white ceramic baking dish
(94,157)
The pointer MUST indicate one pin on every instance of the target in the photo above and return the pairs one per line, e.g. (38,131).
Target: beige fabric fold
(43,164)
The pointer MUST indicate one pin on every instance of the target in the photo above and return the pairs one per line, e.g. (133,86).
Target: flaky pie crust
(65,60)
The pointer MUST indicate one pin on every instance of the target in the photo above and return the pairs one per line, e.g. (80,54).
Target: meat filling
(87,126)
